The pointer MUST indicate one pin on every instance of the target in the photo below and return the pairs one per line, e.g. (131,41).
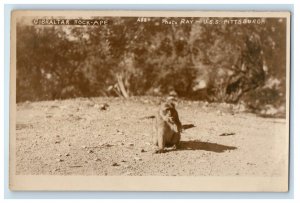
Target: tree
(219,63)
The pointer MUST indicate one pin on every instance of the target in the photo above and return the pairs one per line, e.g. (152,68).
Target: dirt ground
(81,137)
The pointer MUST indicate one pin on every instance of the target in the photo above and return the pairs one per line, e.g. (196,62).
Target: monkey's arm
(177,122)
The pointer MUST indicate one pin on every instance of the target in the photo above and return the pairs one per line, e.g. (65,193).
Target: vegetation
(216,63)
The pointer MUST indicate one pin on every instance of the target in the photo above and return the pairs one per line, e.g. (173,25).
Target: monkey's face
(168,110)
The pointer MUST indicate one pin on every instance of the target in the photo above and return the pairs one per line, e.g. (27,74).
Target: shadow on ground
(207,146)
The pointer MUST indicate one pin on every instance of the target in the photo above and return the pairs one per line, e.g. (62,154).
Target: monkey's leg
(155,135)
(176,140)
(160,140)
(154,140)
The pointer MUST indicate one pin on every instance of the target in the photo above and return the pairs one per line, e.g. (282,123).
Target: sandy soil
(77,137)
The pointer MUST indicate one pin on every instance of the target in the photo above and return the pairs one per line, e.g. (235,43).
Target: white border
(296,82)
(140,183)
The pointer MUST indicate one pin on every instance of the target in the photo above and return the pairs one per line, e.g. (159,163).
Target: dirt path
(77,137)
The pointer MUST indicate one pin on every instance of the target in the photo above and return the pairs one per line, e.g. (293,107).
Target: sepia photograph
(149,100)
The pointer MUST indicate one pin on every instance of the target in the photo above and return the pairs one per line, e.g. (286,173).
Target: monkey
(167,127)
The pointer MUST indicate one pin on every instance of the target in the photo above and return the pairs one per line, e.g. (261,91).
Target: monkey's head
(168,109)
(169,114)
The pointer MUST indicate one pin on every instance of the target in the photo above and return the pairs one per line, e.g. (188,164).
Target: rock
(59,160)
(90,151)
(142,150)
(106,145)
(83,146)
(102,143)
(75,166)
(67,154)
(131,144)
(227,134)
(137,158)
(57,142)
(115,164)
(119,132)
(97,159)
(104,106)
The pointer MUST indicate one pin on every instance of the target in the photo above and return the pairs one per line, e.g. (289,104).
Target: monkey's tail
(187,126)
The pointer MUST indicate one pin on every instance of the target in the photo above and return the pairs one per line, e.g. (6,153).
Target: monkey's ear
(172,104)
